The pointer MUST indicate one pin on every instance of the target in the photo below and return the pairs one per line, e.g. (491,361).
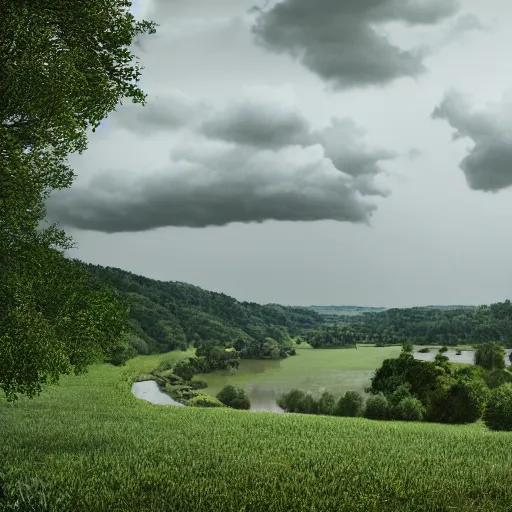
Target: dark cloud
(340,41)
(488,164)
(215,187)
(251,161)
(269,125)
(258,123)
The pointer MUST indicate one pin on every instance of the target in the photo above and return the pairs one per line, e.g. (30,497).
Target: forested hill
(421,325)
(171,315)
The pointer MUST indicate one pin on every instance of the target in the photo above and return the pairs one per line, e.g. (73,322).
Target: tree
(498,412)
(407,348)
(326,404)
(290,402)
(350,404)
(55,320)
(409,409)
(460,400)
(64,68)
(308,405)
(377,408)
(490,355)
(236,398)
(443,349)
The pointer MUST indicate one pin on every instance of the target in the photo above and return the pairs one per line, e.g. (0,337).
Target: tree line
(421,326)
(407,389)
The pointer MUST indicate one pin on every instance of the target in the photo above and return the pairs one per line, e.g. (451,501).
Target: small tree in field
(350,404)
(290,401)
(498,412)
(377,408)
(409,409)
(326,404)
(235,398)
(308,405)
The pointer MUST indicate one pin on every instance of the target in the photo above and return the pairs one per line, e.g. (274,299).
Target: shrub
(205,401)
(198,384)
(407,347)
(308,405)
(350,404)
(377,408)
(498,413)
(326,404)
(170,377)
(166,364)
(290,401)
(185,370)
(424,350)
(495,378)
(442,350)
(461,401)
(490,355)
(234,397)
(409,409)
(441,359)
(401,392)
(458,353)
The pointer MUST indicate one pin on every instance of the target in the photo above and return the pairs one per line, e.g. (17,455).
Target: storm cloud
(488,164)
(249,161)
(215,187)
(341,41)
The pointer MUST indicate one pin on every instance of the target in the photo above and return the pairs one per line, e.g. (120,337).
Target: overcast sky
(305,152)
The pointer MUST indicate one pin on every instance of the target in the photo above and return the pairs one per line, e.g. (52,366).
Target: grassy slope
(96,447)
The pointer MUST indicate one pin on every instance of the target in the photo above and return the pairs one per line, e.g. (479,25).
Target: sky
(302,153)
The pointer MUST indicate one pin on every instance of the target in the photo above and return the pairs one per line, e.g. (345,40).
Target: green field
(90,445)
(315,370)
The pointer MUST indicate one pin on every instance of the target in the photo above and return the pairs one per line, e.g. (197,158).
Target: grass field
(315,370)
(89,445)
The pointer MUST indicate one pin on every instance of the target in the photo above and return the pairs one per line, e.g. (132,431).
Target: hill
(171,315)
(90,445)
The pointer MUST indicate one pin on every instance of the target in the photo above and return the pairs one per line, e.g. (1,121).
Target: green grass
(92,446)
(315,370)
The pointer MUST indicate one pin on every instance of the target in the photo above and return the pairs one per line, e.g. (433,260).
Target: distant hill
(170,315)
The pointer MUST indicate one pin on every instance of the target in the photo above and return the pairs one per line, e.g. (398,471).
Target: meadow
(89,445)
(314,370)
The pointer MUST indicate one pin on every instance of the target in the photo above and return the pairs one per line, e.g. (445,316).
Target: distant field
(315,370)
(345,310)
(89,445)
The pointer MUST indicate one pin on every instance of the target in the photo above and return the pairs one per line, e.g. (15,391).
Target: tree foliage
(236,398)
(490,356)
(172,315)
(448,326)
(350,404)
(64,68)
(498,412)
(377,408)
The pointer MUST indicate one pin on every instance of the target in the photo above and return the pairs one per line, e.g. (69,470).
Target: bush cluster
(235,398)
